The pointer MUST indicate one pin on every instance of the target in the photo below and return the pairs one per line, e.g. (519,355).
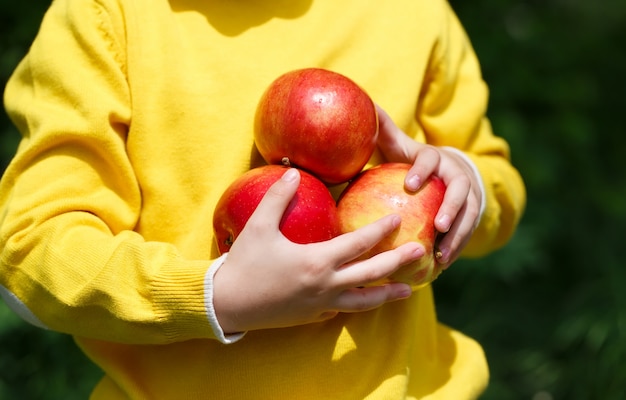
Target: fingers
(378,267)
(394,144)
(397,146)
(458,217)
(451,244)
(425,164)
(455,198)
(351,245)
(279,195)
(369,298)
(458,235)
(449,220)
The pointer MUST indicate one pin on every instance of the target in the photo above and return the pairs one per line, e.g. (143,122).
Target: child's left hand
(459,213)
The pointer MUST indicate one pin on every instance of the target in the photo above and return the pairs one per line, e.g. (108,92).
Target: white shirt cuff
(479,178)
(20,308)
(208,304)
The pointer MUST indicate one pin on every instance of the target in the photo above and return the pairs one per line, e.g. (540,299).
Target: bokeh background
(550,307)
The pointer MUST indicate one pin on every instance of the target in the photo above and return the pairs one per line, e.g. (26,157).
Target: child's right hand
(268,281)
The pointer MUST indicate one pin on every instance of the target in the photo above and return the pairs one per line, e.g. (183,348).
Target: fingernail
(413,183)
(328,315)
(405,293)
(444,223)
(418,252)
(290,175)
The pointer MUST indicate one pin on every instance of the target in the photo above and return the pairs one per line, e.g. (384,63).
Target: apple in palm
(380,191)
(311,216)
(317,120)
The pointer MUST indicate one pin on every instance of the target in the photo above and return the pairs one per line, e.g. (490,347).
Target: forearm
(76,277)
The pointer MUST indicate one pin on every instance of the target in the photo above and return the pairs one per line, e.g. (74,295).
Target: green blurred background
(549,308)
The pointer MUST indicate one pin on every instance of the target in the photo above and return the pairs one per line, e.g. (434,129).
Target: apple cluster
(324,124)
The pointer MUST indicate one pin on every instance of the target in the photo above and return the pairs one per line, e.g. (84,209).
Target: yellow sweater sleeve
(70,199)
(452,112)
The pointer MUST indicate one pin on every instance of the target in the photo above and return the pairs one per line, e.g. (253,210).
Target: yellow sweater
(137,114)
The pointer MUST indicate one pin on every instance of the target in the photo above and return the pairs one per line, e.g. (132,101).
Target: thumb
(278,196)
(393,143)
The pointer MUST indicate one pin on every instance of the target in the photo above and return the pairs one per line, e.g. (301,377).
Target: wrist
(226,338)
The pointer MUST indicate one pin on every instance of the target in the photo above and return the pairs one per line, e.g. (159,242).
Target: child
(137,114)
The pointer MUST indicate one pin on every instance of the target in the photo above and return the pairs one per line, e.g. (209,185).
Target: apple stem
(286,162)
(229,241)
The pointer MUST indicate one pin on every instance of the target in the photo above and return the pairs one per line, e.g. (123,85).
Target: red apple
(379,191)
(317,120)
(310,217)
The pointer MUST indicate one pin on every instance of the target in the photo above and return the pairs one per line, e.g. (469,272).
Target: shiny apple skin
(380,191)
(310,217)
(319,120)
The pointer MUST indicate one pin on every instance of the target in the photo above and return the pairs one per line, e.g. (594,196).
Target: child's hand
(268,281)
(458,216)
